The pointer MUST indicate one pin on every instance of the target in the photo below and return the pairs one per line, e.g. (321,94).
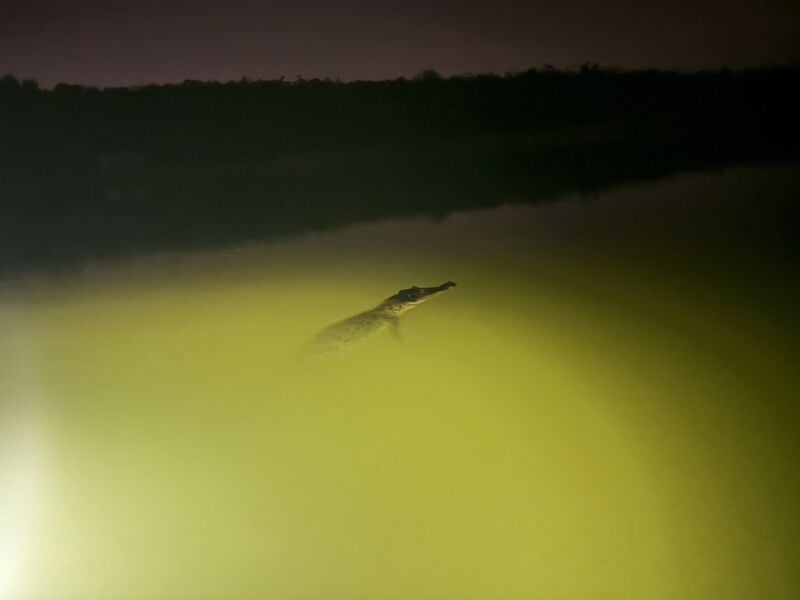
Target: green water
(605,407)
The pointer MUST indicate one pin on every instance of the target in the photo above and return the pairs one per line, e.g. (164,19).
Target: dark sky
(114,42)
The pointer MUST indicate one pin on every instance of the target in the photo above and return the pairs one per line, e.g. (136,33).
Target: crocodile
(353,331)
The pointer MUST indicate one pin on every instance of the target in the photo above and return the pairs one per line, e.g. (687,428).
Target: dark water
(605,407)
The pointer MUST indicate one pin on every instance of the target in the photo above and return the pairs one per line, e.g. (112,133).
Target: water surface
(605,407)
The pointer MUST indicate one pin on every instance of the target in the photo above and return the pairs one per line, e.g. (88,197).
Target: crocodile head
(414,296)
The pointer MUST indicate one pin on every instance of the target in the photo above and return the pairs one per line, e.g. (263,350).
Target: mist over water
(605,407)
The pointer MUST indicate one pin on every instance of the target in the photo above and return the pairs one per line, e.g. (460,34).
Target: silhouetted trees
(243,119)
(89,171)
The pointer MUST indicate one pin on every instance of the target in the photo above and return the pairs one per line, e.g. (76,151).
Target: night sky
(115,42)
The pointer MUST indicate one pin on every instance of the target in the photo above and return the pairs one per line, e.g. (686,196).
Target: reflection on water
(605,407)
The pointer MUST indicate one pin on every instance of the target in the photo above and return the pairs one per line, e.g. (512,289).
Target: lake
(606,406)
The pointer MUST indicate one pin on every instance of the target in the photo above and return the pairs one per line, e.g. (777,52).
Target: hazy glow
(21,465)
(22,461)
(596,411)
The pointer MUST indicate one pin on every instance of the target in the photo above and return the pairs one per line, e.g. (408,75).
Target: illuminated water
(605,407)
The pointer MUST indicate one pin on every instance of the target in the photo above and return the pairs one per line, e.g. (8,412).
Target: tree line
(229,121)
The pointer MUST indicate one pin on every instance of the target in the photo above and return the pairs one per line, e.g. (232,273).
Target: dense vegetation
(229,121)
(92,171)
